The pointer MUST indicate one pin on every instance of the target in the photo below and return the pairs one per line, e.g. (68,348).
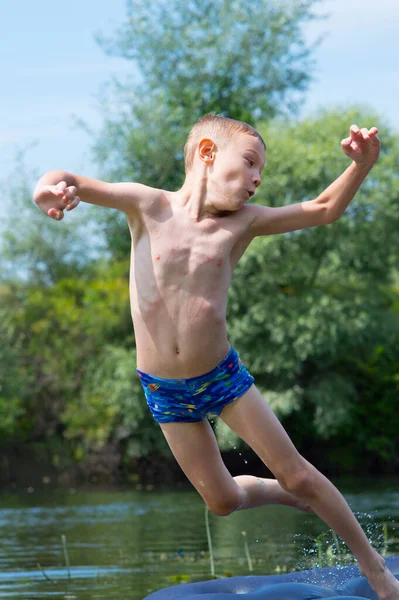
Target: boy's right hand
(54,199)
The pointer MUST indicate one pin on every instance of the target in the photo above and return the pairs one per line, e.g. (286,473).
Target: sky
(53,70)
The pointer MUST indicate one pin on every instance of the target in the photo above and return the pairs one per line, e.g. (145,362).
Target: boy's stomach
(188,343)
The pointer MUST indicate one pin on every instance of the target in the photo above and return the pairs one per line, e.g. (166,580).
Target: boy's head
(230,155)
(218,128)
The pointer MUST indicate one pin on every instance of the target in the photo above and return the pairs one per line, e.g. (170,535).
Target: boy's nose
(257,180)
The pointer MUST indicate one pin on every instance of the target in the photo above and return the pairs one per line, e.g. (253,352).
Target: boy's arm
(57,191)
(363,147)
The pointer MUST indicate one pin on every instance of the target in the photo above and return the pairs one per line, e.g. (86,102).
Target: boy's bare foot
(384,583)
(290,500)
(386,587)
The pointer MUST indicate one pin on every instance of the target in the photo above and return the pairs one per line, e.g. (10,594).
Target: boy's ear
(207,150)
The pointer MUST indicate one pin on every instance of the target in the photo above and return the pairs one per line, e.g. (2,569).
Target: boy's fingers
(69,194)
(365,133)
(59,189)
(73,204)
(56,214)
(357,134)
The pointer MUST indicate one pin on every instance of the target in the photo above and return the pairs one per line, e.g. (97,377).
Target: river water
(127,544)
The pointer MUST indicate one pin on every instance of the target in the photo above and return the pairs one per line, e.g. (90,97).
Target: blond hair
(218,128)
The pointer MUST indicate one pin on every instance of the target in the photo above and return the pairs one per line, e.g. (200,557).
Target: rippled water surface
(125,545)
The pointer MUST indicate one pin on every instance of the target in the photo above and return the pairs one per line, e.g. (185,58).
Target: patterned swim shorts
(190,400)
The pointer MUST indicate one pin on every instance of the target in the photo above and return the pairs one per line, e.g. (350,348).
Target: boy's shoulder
(143,197)
(151,198)
(149,201)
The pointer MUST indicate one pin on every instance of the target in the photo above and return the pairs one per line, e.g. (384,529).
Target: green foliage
(111,405)
(306,306)
(201,56)
(37,249)
(314,314)
(374,413)
(11,374)
(76,340)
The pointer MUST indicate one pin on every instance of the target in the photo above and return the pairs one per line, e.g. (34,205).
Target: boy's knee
(224,506)
(301,481)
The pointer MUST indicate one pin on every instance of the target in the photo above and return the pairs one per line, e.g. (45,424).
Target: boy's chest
(202,250)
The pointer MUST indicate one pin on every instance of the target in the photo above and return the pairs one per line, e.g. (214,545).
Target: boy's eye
(250,161)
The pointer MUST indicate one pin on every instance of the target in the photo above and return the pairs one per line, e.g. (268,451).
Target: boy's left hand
(362,146)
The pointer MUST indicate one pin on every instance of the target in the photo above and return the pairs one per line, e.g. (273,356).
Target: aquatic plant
(244,534)
(66,555)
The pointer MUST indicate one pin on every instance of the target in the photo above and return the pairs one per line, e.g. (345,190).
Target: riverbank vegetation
(314,314)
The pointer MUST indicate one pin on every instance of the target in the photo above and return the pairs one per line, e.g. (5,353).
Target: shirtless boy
(185,245)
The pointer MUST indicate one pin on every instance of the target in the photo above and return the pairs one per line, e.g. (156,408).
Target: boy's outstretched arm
(57,191)
(363,147)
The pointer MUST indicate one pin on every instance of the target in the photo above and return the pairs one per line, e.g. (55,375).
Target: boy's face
(236,172)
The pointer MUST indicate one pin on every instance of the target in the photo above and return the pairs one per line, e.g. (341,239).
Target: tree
(313,313)
(309,308)
(36,248)
(14,376)
(248,61)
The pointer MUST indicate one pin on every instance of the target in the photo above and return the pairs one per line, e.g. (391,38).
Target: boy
(185,245)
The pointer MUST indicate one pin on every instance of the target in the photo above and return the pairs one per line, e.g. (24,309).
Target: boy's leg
(195,448)
(254,421)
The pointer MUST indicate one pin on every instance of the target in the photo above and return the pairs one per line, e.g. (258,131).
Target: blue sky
(52,68)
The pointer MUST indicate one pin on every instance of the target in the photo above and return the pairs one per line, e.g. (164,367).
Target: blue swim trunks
(190,400)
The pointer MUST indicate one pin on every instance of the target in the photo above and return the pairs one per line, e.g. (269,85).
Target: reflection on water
(129,544)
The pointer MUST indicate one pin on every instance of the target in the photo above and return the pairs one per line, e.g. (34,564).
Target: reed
(385,533)
(337,546)
(66,556)
(246,550)
(39,566)
(208,534)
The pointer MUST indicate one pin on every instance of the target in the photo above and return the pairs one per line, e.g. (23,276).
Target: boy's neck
(193,198)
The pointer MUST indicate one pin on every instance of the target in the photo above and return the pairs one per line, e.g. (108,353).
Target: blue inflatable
(336,583)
